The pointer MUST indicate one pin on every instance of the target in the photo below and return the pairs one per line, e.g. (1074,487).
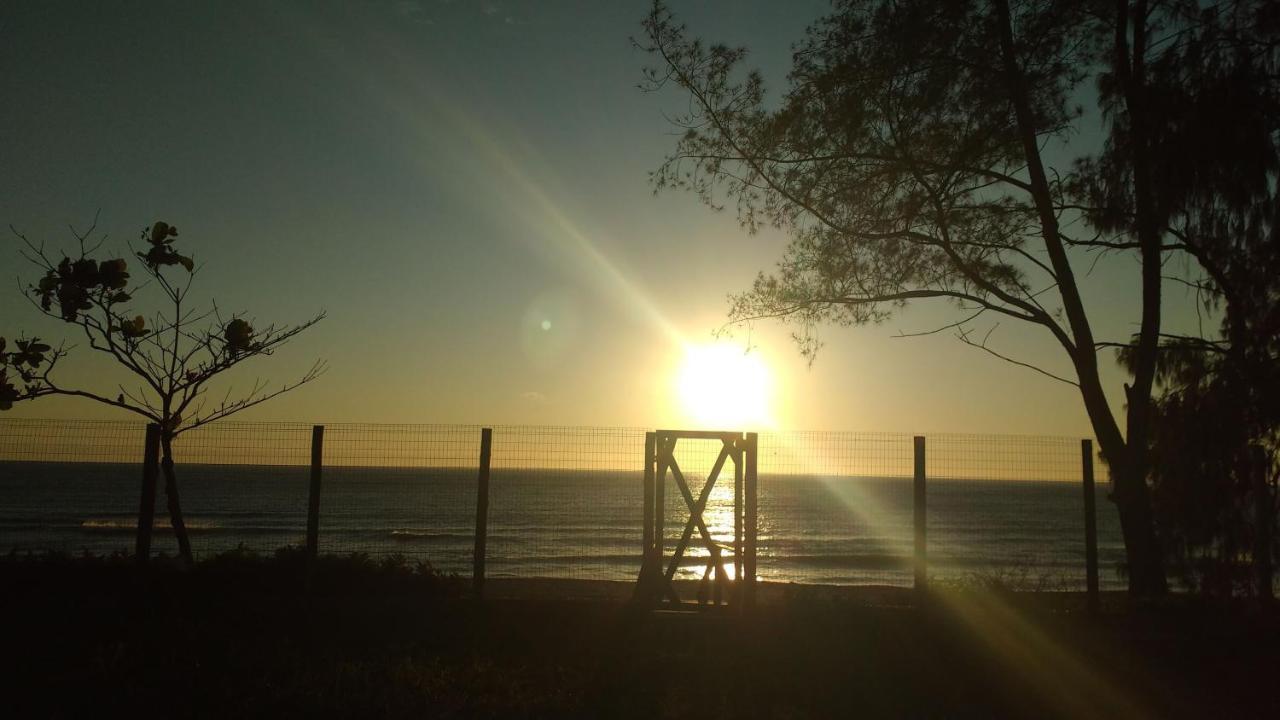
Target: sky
(463,188)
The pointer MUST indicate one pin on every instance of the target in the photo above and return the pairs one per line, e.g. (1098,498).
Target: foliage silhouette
(907,160)
(1217,157)
(174,352)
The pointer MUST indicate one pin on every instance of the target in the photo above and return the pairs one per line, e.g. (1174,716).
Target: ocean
(575,523)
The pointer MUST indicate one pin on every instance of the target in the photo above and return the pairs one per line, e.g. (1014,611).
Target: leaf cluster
(24,364)
(160,237)
(75,285)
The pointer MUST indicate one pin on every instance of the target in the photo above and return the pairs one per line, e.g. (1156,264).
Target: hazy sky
(463,187)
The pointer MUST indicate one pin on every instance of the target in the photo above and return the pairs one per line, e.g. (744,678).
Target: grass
(239,637)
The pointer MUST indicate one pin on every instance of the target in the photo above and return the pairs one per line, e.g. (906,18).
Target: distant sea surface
(574,523)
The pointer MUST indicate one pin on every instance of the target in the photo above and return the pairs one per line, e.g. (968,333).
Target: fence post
(649,586)
(751,513)
(920,521)
(649,458)
(482,513)
(313,498)
(739,543)
(1090,526)
(659,502)
(147,505)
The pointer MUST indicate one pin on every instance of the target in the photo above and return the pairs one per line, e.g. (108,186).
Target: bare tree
(173,353)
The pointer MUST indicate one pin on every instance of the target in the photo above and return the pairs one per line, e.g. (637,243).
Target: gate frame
(656,582)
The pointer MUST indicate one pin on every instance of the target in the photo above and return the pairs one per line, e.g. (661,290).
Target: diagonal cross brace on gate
(655,584)
(696,508)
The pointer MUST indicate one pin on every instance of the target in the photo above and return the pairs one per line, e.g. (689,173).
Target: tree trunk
(175,506)
(1133,498)
(1143,555)
(1264,517)
(1128,470)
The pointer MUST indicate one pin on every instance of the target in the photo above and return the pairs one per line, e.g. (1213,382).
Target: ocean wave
(865,561)
(121,525)
(628,561)
(427,535)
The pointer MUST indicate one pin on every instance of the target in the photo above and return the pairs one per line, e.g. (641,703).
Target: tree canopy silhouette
(908,161)
(1217,430)
(175,352)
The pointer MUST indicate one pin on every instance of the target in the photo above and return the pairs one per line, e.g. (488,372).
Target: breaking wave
(110,525)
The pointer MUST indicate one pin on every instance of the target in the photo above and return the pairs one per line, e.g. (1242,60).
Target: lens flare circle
(722,386)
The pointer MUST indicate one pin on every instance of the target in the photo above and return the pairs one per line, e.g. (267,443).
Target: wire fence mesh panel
(69,485)
(835,508)
(242,485)
(566,502)
(401,490)
(1009,511)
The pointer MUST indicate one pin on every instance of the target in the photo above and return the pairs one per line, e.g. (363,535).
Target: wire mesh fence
(69,486)
(241,484)
(1008,510)
(400,489)
(836,508)
(566,502)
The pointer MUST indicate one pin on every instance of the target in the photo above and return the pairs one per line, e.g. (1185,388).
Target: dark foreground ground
(240,639)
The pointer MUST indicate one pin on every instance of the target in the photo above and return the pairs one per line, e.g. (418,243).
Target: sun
(722,386)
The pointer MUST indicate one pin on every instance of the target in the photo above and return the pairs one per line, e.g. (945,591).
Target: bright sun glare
(721,386)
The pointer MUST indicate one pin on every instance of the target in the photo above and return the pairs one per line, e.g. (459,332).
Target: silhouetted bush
(286,571)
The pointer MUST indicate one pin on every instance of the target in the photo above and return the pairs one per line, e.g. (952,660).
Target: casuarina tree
(1215,94)
(921,152)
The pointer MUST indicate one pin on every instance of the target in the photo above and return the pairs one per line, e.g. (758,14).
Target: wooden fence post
(1090,526)
(751,520)
(649,583)
(482,513)
(147,504)
(920,521)
(649,458)
(313,497)
(739,543)
(659,501)
(649,586)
